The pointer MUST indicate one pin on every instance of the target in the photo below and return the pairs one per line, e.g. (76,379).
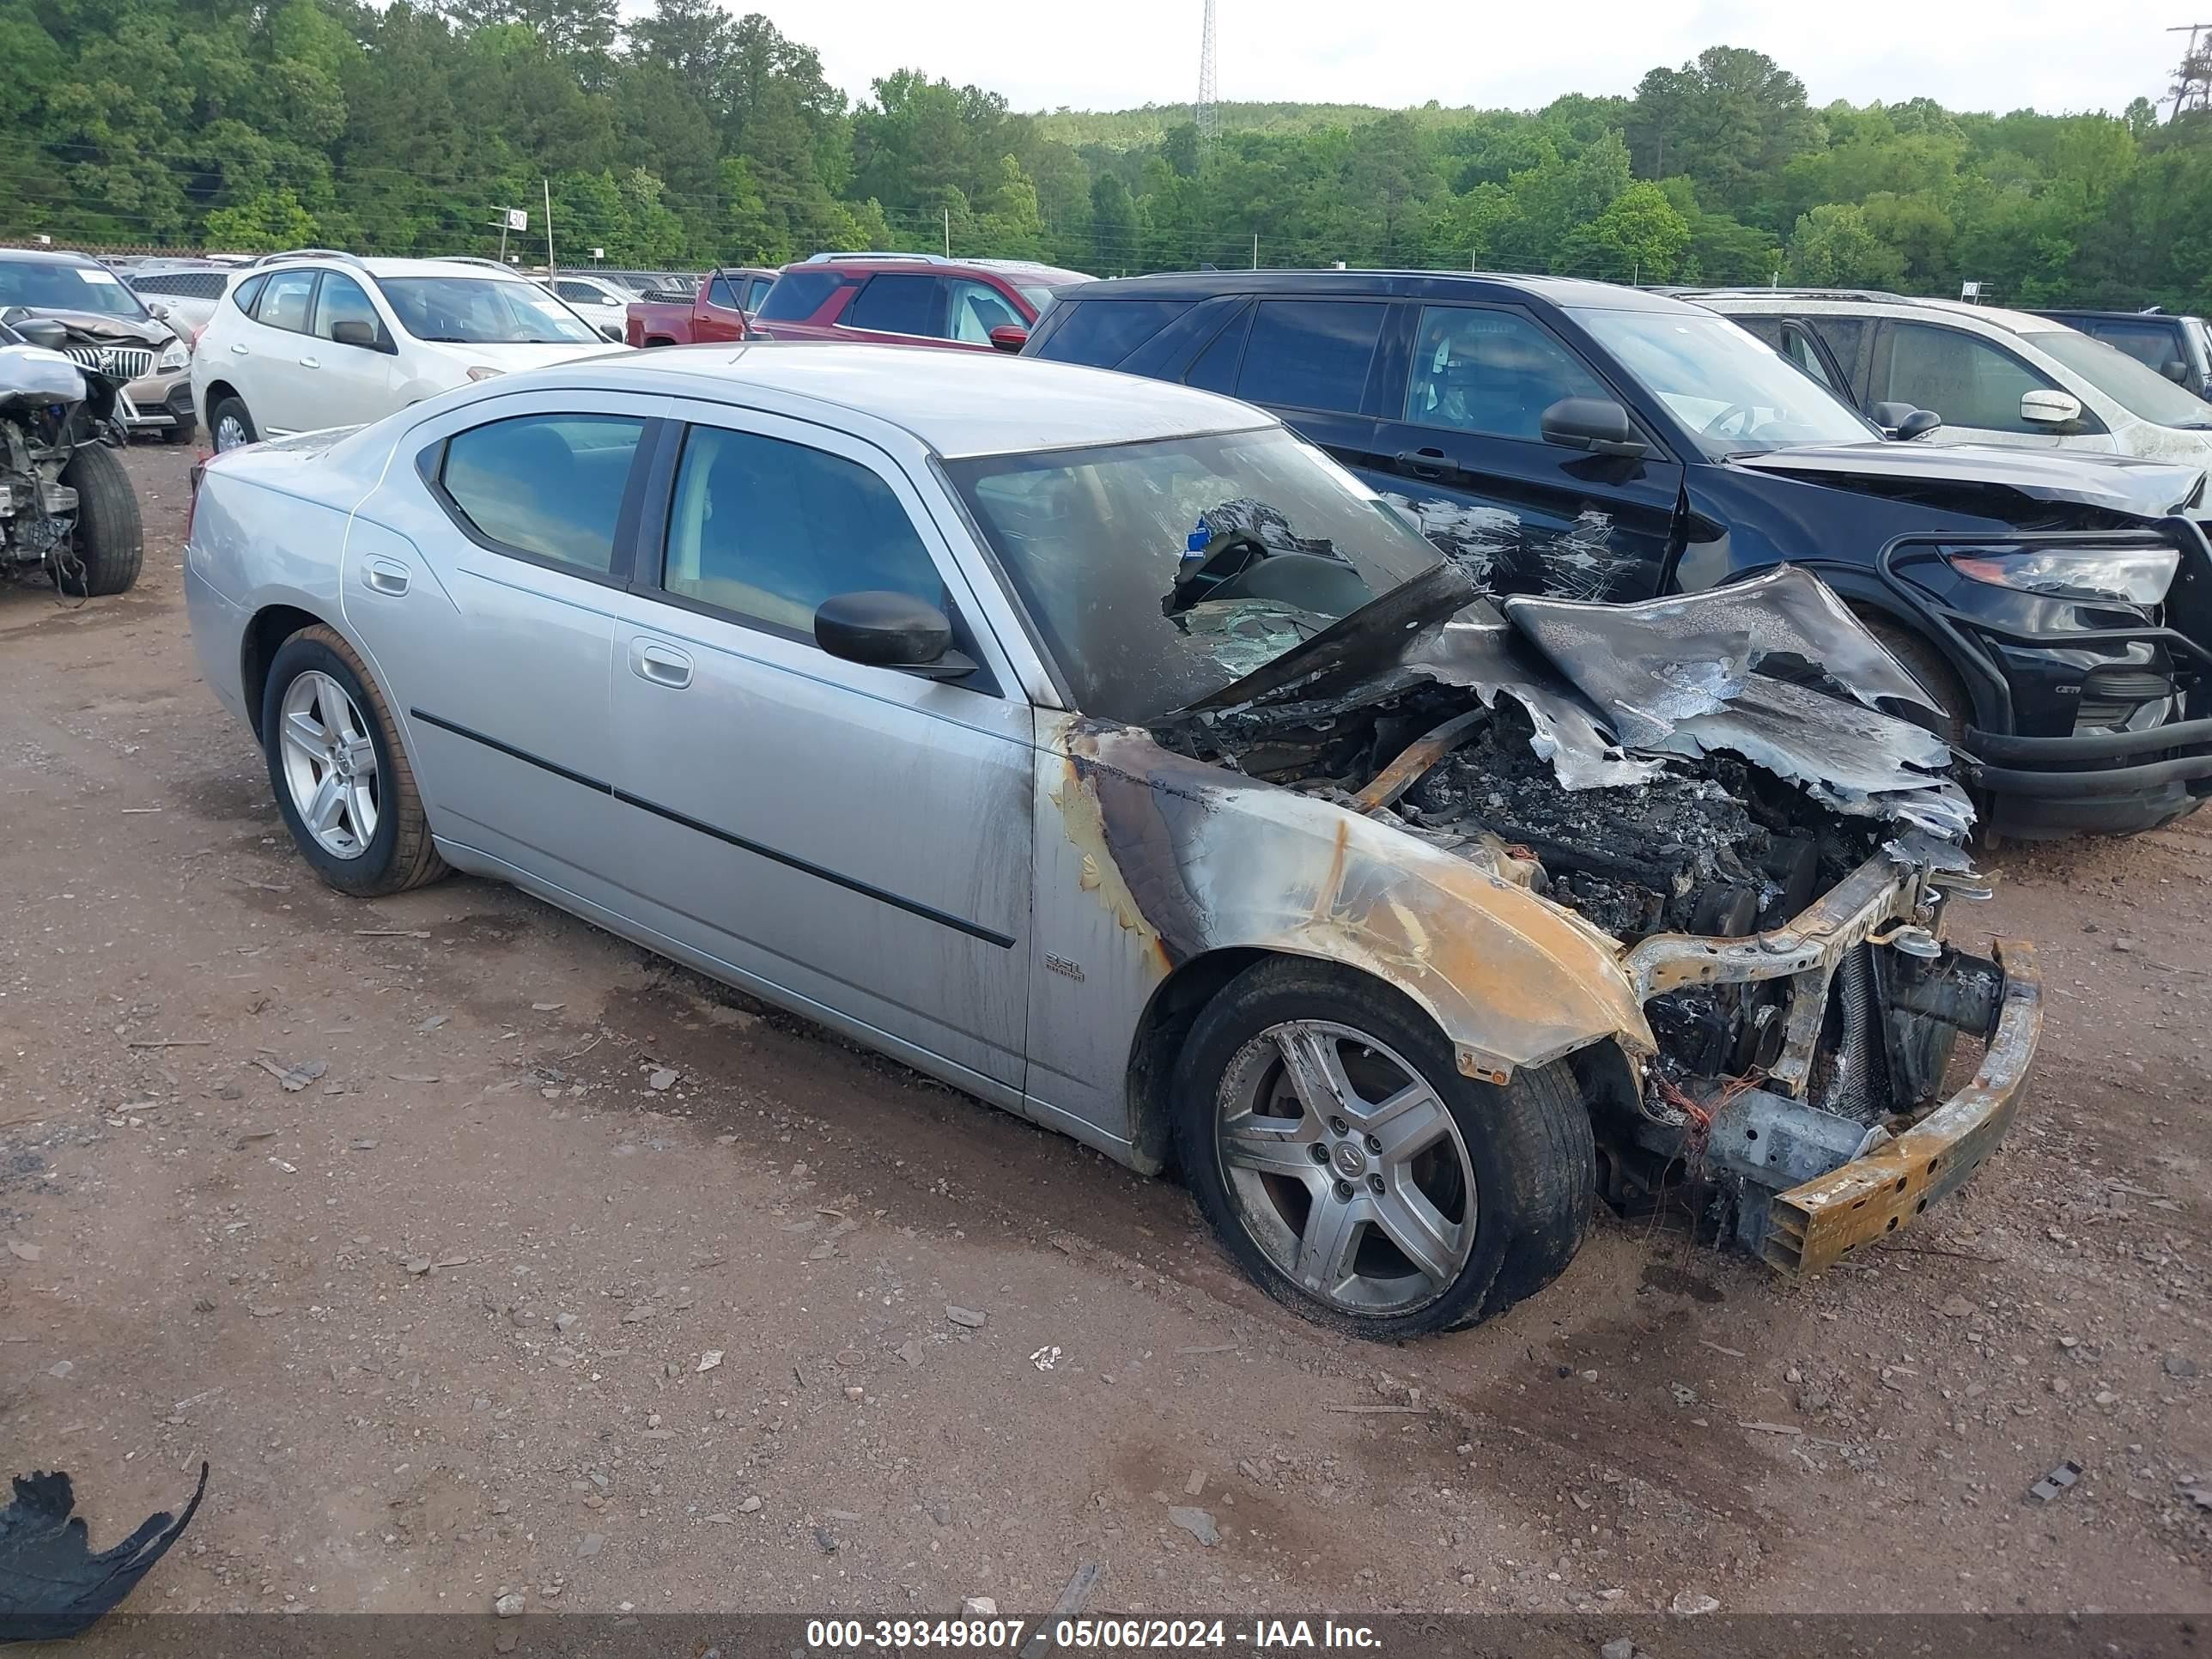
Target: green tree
(272,220)
(1640,236)
(1833,247)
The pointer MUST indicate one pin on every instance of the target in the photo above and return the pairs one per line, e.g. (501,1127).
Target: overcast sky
(2050,55)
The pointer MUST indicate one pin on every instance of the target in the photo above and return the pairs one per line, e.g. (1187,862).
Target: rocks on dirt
(591,1544)
(964,1316)
(978,1607)
(1691,1603)
(2178,1365)
(1955,1307)
(508,1604)
(749,1505)
(1197,1522)
(662,1078)
(1619,1648)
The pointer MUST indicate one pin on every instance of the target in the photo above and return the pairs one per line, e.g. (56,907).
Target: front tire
(109,540)
(1348,1166)
(341,781)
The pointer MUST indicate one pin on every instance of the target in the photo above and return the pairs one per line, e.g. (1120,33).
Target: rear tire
(1515,1165)
(229,426)
(375,838)
(109,540)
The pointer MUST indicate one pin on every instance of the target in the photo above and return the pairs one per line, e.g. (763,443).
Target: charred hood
(1775,673)
(1999,482)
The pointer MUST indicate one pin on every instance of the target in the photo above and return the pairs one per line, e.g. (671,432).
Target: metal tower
(1205,115)
(2193,81)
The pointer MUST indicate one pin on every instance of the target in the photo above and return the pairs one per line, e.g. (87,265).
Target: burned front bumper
(1808,1184)
(1876,1193)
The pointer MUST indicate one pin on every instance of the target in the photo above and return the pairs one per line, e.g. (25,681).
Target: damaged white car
(1100,747)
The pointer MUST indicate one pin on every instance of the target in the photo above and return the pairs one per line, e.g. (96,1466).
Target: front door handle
(1424,463)
(664,664)
(386,576)
(309,362)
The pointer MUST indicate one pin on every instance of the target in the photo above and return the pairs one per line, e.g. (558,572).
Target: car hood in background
(515,358)
(2112,484)
(100,328)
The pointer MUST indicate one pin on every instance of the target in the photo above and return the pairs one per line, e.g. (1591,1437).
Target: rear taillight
(192,496)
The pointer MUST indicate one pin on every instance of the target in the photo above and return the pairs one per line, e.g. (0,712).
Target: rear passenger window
(898,305)
(247,292)
(547,485)
(1491,372)
(1103,332)
(769,530)
(1311,353)
(284,301)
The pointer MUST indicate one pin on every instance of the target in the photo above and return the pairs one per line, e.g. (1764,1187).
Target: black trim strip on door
(912,907)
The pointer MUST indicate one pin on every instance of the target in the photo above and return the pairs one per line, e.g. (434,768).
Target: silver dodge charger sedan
(1104,749)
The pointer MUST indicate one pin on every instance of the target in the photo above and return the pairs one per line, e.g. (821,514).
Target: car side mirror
(1598,424)
(1903,421)
(612,331)
(41,331)
(156,310)
(1009,337)
(354,332)
(2175,370)
(890,630)
(2050,408)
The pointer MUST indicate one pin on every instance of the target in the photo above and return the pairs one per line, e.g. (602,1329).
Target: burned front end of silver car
(1726,794)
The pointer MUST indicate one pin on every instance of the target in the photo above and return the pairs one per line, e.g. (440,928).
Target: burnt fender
(1187,858)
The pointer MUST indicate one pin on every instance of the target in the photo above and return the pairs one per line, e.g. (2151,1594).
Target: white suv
(332,340)
(1994,376)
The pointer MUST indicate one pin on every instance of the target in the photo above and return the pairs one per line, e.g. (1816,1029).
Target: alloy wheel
(1346,1167)
(330,764)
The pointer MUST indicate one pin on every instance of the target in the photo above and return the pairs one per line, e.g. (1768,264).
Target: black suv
(1600,442)
(2177,347)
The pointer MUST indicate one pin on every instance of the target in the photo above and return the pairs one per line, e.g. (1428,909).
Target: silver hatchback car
(1102,748)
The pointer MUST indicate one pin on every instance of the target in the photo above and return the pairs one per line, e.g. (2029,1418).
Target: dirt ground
(444,1319)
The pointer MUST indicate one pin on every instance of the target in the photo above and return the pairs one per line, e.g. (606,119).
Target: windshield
(1735,394)
(54,287)
(482,311)
(2134,386)
(1159,572)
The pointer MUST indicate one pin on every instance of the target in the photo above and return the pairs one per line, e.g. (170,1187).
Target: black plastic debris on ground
(52,1585)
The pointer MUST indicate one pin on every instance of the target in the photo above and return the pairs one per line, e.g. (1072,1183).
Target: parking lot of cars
(420,1218)
(1492,784)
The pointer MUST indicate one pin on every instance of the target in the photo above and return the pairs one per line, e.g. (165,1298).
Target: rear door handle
(664,664)
(1424,463)
(309,362)
(386,576)
(238,350)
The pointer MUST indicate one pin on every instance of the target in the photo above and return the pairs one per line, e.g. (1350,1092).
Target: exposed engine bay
(1735,766)
(50,408)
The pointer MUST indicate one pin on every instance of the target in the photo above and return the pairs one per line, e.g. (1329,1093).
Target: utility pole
(948,232)
(1256,250)
(2193,84)
(548,186)
(1204,115)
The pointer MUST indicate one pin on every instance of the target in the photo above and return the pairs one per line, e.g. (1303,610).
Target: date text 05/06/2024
(875,1637)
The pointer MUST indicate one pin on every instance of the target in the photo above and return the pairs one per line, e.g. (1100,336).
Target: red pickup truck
(720,308)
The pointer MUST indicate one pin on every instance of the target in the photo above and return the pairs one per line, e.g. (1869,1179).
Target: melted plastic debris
(1853,759)
(1650,665)
(1562,733)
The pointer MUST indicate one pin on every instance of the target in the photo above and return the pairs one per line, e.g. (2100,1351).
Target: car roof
(959,403)
(379,266)
(910,263)
(1758,301)
(45,256)
(2159,316)
(1565,291)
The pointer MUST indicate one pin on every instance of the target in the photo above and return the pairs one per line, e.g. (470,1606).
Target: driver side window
(769,530)
(1962,377)
(977,308)
(1493,373)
